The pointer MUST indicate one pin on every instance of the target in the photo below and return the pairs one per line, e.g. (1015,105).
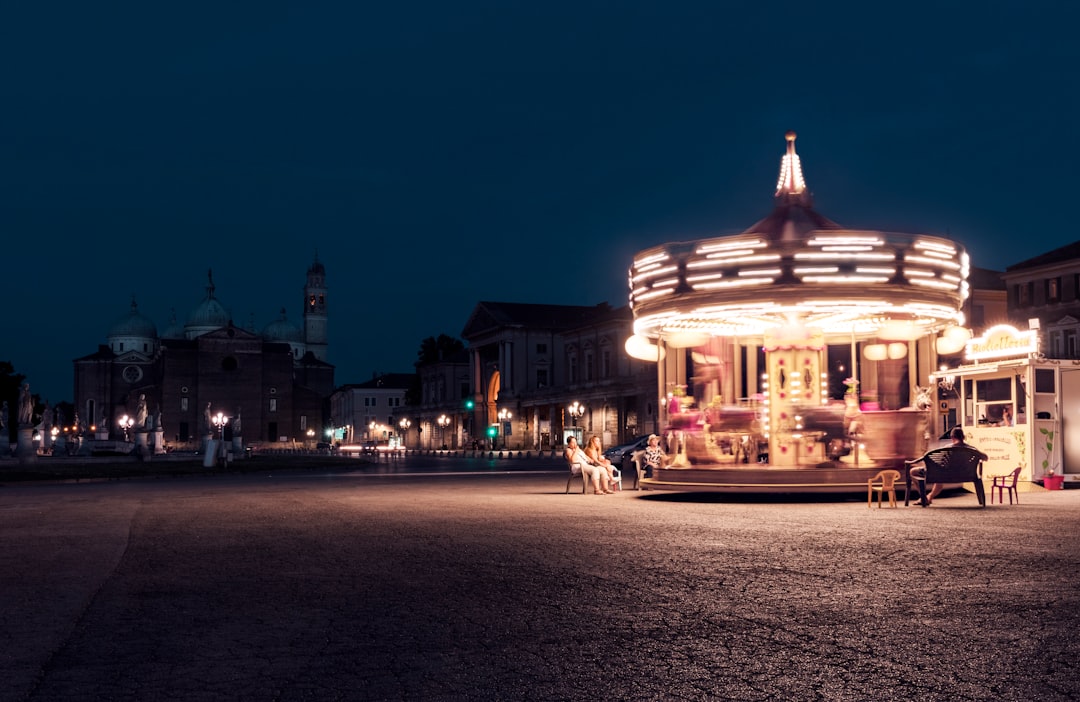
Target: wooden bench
(952,464)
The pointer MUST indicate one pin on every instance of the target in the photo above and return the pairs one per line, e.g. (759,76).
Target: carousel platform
(828,477)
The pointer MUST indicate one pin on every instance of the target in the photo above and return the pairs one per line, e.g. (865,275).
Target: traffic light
(469,404)
(493,431)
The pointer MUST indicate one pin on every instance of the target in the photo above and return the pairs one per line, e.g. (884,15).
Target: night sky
(440,153)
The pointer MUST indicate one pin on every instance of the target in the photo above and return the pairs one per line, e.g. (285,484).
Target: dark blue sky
(440,153)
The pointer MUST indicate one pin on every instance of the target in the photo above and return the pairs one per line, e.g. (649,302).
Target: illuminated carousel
(788,354)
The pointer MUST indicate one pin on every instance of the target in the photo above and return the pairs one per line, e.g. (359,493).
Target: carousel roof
(796,266)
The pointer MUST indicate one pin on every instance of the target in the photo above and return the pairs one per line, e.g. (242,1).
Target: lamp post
(219,420)
(126,423)
(504,418)
(443,422)
(405,423)
(310,437)
(577,411)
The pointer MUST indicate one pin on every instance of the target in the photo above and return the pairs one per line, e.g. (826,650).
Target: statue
(59,417)
(104,426)
(3,416)
(206,418)
(47,417)
(157,418)
(26,405)
(140,413)
(236,423)
(76,424)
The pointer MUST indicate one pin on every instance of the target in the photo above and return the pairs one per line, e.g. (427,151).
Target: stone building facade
(276,381)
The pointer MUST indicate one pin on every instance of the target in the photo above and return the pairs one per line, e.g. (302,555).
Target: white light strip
(845,279)
(937,284)
(699,278)
(826,240)
(815,256)
(662,256)
(728,245)
(760,271)
(817,269)
(847,248)
(875,269)
(654,273)
(917,273)
(932,261)
(753,258)
(741,283)
(653,293)
(934,246)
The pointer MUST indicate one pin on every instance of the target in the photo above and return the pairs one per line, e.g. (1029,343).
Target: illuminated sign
(1002,341)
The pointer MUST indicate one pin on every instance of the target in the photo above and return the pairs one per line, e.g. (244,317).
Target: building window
(541,378)
(605,363)
(303,422)
(464,390)
(183,404)
(1023,299)
(1070,344)
(541,348)
(588,366)
(572,369)
(273,404)
(1053,289)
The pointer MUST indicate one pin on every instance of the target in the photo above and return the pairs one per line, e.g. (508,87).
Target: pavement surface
(490,585)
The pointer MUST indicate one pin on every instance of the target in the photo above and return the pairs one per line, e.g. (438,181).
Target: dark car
(620,455)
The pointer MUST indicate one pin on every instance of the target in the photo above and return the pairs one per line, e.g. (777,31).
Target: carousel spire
(791,187)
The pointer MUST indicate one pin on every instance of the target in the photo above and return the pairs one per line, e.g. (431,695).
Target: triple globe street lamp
(443,421)
(405,423)
(126,423)
(504,418)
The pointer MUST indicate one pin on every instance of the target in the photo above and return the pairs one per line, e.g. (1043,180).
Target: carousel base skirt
(762,478)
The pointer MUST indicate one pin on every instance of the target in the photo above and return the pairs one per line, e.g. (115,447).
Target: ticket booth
(1015,406)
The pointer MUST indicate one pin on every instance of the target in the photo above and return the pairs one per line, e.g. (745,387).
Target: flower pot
(1054,482)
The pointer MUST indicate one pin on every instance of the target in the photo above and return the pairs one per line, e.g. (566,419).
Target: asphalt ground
(357,584)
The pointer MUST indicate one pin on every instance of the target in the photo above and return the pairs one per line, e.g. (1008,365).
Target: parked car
(620,455)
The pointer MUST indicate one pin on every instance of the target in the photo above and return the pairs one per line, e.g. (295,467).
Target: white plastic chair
(616,479)
(575,470)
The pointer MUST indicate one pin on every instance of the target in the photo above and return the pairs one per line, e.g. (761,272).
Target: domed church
(275,380)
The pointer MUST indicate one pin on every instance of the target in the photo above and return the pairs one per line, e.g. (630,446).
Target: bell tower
(315,309)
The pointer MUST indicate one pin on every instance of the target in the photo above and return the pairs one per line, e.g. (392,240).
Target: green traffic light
(492,431)
(468,404)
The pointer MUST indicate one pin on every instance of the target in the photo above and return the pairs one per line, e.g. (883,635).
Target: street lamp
(126,423)
(504,418)
(405,423)
(219,420)
(577,411)
(310,436)
(443,422)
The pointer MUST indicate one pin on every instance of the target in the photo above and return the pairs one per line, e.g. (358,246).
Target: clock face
(132,374)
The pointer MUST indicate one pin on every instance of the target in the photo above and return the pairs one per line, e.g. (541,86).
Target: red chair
(1005,482)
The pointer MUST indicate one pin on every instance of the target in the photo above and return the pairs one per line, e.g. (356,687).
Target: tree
(433,350)
(10,381)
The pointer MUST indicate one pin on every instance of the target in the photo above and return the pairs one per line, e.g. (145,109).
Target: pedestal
(24,450)
(238,446)
(157,441)
(142,444)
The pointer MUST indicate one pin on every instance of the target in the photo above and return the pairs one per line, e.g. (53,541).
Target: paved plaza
(357,585)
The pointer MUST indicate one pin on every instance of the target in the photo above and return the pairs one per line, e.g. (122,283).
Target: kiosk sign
(1003,341)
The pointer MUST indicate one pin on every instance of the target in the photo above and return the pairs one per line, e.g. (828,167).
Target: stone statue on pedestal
(26,406)
(4,416)
(140,413)
(236,423)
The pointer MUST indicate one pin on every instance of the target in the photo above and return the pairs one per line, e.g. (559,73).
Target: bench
(952,464)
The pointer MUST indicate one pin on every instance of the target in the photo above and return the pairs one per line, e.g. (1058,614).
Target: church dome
(208,316)
(282,329)
(133,332)
(134,325)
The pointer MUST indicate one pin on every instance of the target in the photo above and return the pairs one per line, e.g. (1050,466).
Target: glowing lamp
(897,349)
(947,347)
(642,349)
(876,352)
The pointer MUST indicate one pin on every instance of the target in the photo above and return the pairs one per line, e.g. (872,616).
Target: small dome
(282,329)
(209,315)
(134,325)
